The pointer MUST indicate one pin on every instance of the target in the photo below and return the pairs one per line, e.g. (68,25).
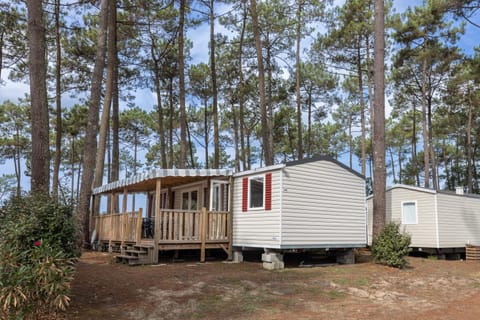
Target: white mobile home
(311,204)
(314,203)
(438,221)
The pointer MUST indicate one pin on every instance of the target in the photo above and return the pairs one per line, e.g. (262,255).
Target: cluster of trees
(282,80)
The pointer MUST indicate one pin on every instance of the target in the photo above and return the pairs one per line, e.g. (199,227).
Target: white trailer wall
(323,206)
(257,228)
(458,220)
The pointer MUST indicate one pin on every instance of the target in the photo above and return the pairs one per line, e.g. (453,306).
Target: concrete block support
(346,257)
(237,256)
(273,261)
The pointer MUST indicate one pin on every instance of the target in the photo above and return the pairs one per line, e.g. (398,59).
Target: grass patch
(335,294)
(224,306)
(353,282)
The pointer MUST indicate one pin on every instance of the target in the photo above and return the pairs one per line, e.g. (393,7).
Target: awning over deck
(146,181)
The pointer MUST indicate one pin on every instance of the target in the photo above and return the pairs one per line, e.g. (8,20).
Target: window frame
(414,202)
(249,207)
(189,192)
(213,185)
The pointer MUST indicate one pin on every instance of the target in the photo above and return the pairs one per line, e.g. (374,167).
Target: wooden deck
(172,230)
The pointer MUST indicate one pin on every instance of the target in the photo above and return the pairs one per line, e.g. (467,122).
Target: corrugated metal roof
(162,173)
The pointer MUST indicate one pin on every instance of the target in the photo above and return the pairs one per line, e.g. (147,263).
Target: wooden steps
(137,254)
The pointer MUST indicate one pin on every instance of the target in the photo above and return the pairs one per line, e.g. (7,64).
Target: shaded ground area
(428,289)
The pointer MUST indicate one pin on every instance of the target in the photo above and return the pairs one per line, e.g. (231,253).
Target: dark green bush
(391,246)
(38,245)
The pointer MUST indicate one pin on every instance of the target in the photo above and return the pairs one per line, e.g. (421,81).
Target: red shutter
(268,191)
(244,194)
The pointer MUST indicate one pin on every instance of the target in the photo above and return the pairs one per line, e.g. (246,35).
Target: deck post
(110,233)
(139,227)
(230,219)
(156,234)
(123,219)
(203,234)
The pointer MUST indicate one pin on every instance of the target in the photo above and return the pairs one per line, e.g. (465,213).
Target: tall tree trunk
(269,100)
(241,88)
(40,158)
(400,165)
(414,146)
(135,157)
(17,163)
(379,172)
(79,179)
(350,140)
(431,148)
(205,124)
(105,120)
(72,166)
(181,75)
(456,173)
(261,83)
(58,103)
(370,83)
(426,152)
(115,161)
(115,172)
(170,123)
(392,161)
(469,145)
(90,148)
(190,147)
(445,162)
(216,136)
(309,125)
(362,111)
(161,127)
(235,136)
(297,76)
(2,35)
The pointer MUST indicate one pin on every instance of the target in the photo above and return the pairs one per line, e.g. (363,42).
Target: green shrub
(391,246)
(38,245)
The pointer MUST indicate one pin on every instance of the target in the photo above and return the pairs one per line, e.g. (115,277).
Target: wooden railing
(187,226)
(119,226)
(172,226)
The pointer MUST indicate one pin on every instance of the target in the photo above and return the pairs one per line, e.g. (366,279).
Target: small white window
(409,212)
(256,192)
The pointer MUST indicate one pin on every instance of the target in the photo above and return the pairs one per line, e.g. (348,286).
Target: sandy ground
(427,289)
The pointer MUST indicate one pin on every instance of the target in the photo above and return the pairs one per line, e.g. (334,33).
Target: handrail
(171,226)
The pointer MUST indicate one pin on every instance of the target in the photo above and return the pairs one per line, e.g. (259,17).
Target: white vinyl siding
(258,227)
(444,220)
(323,206)
(424,232)
(458,220)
